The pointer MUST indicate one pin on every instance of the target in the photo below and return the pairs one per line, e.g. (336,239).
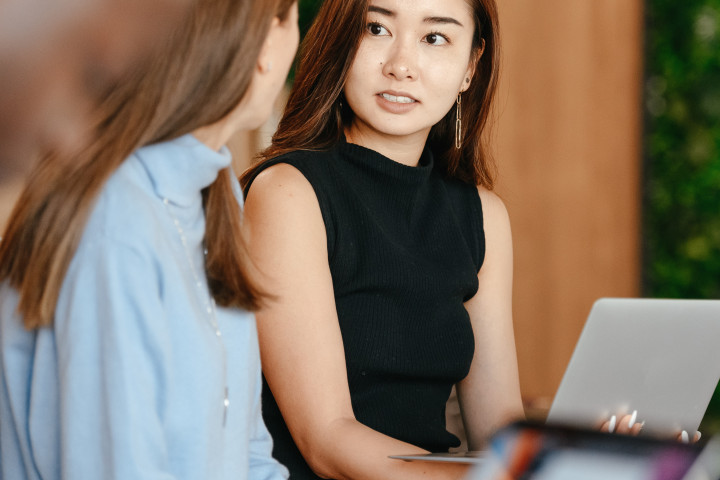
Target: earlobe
(468,76)
(473,66)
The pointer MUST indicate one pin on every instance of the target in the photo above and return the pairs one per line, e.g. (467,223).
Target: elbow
(479,437)
(320,463)
(320,467)
(322,449)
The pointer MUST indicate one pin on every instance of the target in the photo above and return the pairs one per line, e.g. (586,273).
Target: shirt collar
(180,168)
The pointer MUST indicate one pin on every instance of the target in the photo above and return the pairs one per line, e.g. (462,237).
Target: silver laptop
(471,458)
(659,357)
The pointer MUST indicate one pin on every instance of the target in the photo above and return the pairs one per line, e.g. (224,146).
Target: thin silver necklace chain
(210,306)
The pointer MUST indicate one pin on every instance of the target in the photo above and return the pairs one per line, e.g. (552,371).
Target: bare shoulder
(283,228)
(280,178)
(282,209)
(281,191)
(494,210)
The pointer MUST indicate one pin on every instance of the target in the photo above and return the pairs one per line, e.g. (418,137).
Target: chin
(402,127)
(400,131)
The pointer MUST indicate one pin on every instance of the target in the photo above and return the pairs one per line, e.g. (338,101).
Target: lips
(397,97)
(396,103)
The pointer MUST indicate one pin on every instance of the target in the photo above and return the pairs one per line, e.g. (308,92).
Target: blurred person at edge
(56,59)
(128,346)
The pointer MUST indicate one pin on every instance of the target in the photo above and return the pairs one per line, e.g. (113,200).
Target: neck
(217,134)
(213,136)
(405,149)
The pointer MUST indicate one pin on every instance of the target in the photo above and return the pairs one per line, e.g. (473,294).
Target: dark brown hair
(196,79)
(315,116)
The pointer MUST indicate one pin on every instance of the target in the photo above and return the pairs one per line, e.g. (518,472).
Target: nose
(401,62)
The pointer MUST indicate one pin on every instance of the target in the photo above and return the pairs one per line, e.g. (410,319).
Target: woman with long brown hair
(127,349)
(373,218)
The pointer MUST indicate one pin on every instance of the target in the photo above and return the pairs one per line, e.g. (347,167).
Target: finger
(633,419)
(632,427)
(611,424)
(622,424)
(626,423)
(637,428)
(683,437)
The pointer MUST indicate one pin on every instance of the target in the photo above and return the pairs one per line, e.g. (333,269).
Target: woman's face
(414,59)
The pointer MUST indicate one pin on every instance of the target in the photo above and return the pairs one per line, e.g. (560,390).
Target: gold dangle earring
(458,122)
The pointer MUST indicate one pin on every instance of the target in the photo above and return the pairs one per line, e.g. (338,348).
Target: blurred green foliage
(681,210)
(306,11)
(682,146)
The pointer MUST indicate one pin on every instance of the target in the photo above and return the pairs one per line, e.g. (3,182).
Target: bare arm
(490,395)
(300,341)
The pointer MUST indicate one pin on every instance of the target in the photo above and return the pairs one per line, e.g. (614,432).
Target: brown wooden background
(568,147)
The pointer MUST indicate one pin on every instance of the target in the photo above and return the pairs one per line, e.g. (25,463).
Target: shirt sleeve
(113,354)
(262,464)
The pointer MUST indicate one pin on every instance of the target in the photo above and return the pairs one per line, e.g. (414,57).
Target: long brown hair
(315,116)
(196,79)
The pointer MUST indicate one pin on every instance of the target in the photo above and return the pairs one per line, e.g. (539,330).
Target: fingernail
(684,437)
(611,427)
(642,425)
(632,419)
(698,435)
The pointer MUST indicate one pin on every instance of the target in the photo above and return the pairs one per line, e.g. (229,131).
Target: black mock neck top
(404,246)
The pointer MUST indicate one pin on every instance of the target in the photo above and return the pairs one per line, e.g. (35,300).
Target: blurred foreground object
(57,60)
(528,450)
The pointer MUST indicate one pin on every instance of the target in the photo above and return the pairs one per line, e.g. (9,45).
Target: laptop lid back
(660,357)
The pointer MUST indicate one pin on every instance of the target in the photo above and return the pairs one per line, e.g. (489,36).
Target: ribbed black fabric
(404,247)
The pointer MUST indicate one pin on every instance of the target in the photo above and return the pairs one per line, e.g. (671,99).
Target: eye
(377,29)
(436,39)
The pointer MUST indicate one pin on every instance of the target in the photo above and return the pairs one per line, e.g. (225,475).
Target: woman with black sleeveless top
(373,221)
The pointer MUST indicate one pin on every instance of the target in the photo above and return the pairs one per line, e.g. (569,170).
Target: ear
(472,66)
(264,60)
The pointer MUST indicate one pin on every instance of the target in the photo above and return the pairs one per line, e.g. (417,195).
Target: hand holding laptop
(611,372)
(629,425)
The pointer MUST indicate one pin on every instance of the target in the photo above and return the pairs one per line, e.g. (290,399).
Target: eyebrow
(390,13)
(443,20)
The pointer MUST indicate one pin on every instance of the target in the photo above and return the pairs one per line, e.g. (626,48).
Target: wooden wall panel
(568,148)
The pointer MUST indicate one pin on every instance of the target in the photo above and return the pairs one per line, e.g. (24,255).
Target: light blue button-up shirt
(129,380)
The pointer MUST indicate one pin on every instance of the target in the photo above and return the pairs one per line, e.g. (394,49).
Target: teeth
(398,99)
